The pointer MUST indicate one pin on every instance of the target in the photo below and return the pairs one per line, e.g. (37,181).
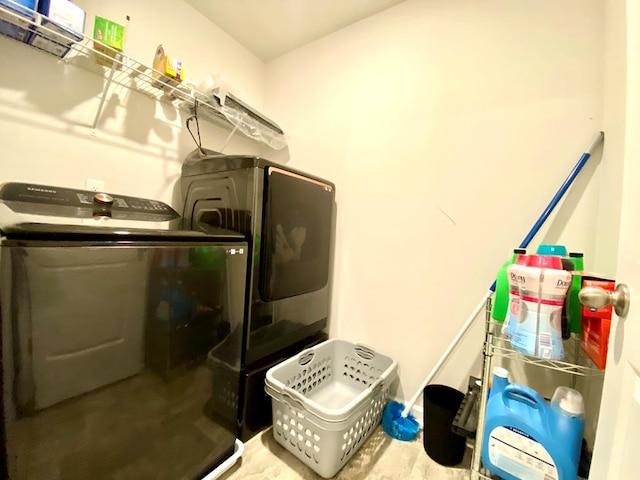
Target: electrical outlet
(94,185)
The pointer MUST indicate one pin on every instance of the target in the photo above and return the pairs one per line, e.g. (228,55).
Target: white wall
(47,106)
(614,111)
(447,127)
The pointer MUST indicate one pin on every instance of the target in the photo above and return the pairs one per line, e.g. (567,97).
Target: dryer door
(296,232)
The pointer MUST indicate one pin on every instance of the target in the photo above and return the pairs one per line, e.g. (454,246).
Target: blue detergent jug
(526,438)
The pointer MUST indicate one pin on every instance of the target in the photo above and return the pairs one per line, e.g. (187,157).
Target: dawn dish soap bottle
(525,438)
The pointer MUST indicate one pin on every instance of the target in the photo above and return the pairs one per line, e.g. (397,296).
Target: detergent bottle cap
(569,401)
(546,249)
(501,372)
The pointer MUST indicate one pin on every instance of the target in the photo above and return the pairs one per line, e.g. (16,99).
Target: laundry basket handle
(364,352)
(306,356)
(293,398)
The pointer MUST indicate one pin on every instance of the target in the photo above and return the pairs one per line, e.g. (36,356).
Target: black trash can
(440,405)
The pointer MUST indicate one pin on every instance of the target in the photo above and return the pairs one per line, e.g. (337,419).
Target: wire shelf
(129,73)
(124,70)
(576,361)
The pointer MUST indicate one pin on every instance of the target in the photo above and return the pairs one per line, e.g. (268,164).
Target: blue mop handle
(558,196)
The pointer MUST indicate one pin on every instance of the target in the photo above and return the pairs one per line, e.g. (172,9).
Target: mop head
(396,426)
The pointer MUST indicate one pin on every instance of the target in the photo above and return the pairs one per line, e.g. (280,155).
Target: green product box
(110,34)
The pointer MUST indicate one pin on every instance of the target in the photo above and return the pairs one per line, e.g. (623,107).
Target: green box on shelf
(111,34)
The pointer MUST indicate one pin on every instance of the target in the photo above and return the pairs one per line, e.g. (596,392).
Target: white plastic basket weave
(327,400)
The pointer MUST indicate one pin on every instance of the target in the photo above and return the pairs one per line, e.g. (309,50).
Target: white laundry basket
(327,400)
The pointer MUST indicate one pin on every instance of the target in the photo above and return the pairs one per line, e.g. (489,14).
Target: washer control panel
(66,202)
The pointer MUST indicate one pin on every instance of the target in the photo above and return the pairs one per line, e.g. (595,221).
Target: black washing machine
(109,317)
(287,217)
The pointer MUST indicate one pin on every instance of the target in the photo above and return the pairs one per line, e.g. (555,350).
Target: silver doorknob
(596,297)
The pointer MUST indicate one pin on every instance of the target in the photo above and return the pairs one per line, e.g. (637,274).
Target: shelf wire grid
(124,71)
(576,362)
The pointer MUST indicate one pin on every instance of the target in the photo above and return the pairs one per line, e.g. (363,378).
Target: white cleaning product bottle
(568,406)
(542,294)
(515,278)
(499,380)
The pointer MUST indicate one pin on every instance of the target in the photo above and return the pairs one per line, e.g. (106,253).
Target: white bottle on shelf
(542,294)
(515,278)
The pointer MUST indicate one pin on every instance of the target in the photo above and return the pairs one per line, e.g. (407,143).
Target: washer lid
(41,211)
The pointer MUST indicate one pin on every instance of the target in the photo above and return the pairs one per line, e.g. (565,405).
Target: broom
(397,421)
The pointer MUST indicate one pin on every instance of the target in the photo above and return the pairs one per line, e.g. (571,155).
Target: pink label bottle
(543,289)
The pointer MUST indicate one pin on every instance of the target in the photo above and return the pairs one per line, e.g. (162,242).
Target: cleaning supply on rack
(515,278)
(168,71)
(16,17)
(551,249)
(60,24)
(501,299)
(499,381)
(575,307)
(542,291)
(525,438)
(398,422)
(109,39)
(568,407)
(568,265)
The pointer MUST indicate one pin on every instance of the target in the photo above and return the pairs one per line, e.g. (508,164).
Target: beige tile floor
(380,458)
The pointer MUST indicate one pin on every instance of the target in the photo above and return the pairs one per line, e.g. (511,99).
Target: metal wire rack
(123,70)
(576,362)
